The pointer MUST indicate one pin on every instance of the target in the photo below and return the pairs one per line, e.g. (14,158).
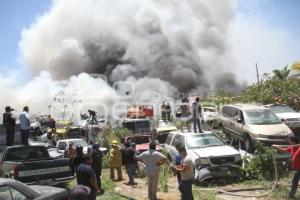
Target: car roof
(246,106)
(275,104)
(19,185)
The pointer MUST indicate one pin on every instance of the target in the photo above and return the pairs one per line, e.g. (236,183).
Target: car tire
(248,144)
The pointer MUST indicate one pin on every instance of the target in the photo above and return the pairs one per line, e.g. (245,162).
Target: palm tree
(282,74)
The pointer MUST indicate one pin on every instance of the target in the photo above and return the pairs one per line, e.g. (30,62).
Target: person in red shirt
(294,150)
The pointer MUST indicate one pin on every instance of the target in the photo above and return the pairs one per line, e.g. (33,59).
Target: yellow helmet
(114,142)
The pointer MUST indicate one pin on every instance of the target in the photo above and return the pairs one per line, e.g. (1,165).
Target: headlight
(203,161)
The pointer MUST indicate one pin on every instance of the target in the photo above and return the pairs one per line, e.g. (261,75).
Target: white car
(210,114)
(62,145)
(288,115)
(211,157)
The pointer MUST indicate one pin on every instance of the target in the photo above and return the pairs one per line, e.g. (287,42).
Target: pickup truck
(33,165)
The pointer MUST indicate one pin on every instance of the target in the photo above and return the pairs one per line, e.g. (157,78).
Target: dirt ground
(139,191)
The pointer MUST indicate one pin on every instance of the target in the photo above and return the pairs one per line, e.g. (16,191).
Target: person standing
(9,123)
(52,123)
(152,159)
(294,150)
(25,125)
(85,175)
(93,115)
(70,153)
(168,112)
(197,114)
(163,111)
(115,160)
(97,165)
(128,159)
(184,114)
(187,174)
(79,157)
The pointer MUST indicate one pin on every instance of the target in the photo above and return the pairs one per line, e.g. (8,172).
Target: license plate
(43,171)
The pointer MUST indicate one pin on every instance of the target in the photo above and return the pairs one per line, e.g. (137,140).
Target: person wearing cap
(97,164)
(80,192)
(25,125)
(86,176)
(9,123)
(152,159)
(115,160)
(128,159)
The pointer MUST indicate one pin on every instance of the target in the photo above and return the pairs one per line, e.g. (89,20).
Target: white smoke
(181,42)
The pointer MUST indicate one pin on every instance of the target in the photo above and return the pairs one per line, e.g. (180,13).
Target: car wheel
(248,144)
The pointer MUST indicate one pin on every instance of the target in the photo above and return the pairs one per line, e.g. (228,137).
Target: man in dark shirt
(128,159)
(86,176)
(9,122)
(93,115)
(79,157)
(97,164)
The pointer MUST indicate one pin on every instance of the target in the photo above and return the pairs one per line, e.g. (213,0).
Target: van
(252,123)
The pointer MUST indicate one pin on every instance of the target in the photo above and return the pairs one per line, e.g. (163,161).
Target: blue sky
(14,16)
(276,15)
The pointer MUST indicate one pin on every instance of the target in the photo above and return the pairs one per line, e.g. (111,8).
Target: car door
(178,139)
(238,123)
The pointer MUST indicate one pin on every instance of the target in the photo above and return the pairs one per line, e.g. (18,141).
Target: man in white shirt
(24,125)
(152,159)
(187,175)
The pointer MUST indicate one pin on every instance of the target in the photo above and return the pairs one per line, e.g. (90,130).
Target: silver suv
(288,115)
(251,123)
(211,157)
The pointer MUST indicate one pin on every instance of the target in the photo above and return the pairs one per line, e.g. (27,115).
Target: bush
(260,166)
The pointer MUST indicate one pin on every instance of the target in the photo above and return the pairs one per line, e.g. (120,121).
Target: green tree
(282,74)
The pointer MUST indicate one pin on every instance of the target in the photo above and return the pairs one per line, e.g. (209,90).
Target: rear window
(228,111)
(27,153)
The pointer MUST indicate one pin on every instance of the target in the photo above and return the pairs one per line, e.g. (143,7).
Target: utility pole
(257,74)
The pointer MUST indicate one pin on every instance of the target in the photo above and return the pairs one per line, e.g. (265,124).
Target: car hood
(288,115)
(51,191)
(213,151)
(271,129)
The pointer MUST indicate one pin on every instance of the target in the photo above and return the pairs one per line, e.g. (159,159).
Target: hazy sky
(264,31)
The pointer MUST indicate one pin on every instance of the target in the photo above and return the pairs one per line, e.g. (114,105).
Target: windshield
(282,109)
(27,153)
(261,117)
(202,140)
(79,142)
(137,126)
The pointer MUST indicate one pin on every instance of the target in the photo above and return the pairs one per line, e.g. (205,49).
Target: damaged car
(212,158)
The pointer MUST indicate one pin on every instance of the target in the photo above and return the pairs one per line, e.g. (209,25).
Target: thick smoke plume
(183,43)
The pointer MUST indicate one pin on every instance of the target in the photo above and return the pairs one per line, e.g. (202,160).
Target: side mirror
(240,121)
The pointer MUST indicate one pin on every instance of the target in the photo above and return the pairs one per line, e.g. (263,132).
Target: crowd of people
(88,169)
